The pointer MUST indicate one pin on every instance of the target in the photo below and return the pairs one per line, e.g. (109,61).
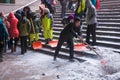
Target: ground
(37,66)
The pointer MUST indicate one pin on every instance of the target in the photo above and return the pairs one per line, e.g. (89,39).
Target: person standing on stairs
(81,8)
(64,6)
(67,34)
(91,21)
(24,27)
(13,31)
(35,28)
(47,24)
(49,5)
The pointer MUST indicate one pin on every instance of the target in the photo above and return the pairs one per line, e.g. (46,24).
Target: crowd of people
(25,25)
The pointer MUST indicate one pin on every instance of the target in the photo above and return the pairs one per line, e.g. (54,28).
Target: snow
(36,66)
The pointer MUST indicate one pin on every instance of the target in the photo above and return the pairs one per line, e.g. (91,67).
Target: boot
(12,48)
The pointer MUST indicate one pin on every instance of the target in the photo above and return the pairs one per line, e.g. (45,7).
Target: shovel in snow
(102,60)
(79,46)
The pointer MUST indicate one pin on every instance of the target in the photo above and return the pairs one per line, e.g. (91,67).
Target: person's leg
(63,10)
(22,44)
(94,34)
(16,41)
(60,42)
(88,34)
(25,44)
(71,46)
(12,44)
(1,52)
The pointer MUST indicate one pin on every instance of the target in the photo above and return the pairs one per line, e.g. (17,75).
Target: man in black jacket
(67,34)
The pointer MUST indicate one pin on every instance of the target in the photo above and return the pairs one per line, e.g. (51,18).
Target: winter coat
(24,27)
(70,31)
(3,31)
(47,24)
(91,13)
(13,31)
(37,26)
(93,2)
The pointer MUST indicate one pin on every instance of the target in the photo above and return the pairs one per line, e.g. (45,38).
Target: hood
(11,15)
(46,11)
(89,3)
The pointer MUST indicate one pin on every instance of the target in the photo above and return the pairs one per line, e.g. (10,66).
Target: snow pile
(112,60)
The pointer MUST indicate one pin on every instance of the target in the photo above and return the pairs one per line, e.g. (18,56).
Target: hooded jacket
(91,13)
(3,31)
(13,31)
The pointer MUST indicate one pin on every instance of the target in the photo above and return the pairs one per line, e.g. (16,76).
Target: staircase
(108,29)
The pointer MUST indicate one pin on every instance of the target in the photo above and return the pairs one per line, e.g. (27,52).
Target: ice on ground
(36,66)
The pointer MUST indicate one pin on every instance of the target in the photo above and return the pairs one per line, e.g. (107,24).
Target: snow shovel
(79,46)
(35,44)
(53,43)
(102,60)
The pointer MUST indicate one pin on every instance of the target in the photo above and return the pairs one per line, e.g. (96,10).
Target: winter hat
(71,16)
(46,10)
(77,19)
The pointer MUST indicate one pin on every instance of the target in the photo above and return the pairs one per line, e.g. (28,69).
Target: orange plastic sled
(53,43)
(37,45)
(80,47)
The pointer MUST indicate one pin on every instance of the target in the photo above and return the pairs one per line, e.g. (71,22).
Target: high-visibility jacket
(47,28)
(81,6)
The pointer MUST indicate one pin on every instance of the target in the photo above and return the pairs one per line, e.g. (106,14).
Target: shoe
(54,58)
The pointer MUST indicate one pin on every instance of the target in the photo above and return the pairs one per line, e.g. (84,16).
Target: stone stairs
(108,29)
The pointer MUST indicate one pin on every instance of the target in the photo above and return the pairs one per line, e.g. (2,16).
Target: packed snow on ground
(36,66)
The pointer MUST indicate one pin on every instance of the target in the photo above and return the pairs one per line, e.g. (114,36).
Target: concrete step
(107,44)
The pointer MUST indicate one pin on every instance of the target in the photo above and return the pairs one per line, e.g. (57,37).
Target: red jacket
(13,30)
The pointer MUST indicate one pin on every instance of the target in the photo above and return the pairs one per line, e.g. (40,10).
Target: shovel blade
(37,45)
(53,43)
(80,47)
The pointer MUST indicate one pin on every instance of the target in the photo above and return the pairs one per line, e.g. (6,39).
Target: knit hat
(71,16)
(46,10)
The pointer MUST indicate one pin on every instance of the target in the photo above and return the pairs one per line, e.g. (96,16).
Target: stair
(108,29)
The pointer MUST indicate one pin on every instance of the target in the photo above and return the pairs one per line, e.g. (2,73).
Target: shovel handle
(90,47)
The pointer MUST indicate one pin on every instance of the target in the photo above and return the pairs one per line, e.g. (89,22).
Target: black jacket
(70,31)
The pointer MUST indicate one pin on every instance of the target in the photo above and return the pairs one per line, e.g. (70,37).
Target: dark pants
(70,45)
(13,41)
(47,3)
(1,50)
(91,29)
(23,40)
(63,9)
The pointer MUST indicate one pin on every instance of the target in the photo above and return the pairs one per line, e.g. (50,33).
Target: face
(77,23)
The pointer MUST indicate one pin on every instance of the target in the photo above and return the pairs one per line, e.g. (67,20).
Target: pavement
(7,8)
